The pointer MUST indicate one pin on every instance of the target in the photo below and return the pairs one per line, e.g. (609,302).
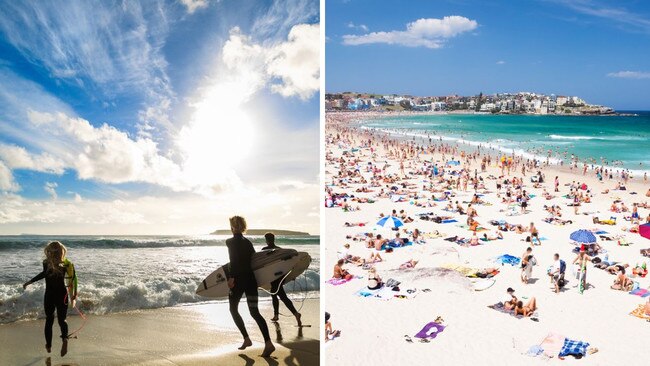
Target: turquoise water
(621,141)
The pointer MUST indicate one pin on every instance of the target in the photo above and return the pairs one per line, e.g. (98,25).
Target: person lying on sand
(408,264)
(526,310)
(497,235)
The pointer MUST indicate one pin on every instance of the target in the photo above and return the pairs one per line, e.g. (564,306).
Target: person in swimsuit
(374,281)
(277,289)
(241,279)
(57,270)
(339,272)
(510,304)
(526,310)
(582,260)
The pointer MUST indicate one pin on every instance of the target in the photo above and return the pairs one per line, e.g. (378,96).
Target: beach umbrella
(644,230)
(390,222)
(583,236)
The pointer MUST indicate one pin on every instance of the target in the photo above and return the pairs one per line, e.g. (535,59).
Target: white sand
(184,335)
(373,329)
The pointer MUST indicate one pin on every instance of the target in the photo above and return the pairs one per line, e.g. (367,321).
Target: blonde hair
(54,255)
(238,225)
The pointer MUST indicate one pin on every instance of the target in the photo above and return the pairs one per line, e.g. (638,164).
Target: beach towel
(639,312)
(431,330)
(449,221)
(366,292)
(508,259)
(601,232)
(552,344)
(640,292)
(501,308)
(574,348)
(339,281)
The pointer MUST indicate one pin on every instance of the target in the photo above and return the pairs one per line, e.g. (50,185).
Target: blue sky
(599,50)
(158,117)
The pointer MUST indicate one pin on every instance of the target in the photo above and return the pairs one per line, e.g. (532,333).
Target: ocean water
(128,273)
(615,141)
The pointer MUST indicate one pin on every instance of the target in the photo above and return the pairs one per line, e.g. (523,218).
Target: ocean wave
(104,296)
(607,138)
(31,242)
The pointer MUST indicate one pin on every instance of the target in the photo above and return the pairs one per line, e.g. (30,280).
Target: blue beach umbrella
(390,222)
(583,236)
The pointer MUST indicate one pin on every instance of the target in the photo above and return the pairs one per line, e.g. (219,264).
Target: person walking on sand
(277,289)
(60,288)
(241,279)
(582,260)
(557,183)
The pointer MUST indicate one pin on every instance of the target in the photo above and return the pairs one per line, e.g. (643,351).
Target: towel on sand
(430,330)
(552,344)
(640,292)
(339,281)
(639,312)
(508,259)
(574,348)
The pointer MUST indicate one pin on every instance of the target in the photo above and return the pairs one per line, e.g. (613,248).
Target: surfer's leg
(49,321)
(275,301)
(251,300)
(61,314)
(287,301)
(234,298)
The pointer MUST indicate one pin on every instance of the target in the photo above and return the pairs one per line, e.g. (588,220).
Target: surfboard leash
(81,314)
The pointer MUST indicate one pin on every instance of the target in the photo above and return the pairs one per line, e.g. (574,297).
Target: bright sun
(219,135)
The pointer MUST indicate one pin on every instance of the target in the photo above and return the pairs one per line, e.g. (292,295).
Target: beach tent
(583,237)
(644,230)
(390,222)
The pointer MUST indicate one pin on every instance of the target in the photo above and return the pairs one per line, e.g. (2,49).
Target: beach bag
(562,266)
(533,261)
(392,283)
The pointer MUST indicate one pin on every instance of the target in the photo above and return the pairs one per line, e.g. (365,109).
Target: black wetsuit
(275,286)
(240,251)
(56,298)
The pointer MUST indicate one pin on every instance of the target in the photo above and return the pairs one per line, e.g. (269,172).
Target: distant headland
(262,232)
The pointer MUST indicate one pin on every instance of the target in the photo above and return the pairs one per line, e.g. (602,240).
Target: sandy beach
(377,328)
(202,334)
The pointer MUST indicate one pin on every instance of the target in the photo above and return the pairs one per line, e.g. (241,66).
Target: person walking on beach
(60,288)
(241,279)
(277,290)
(582,260)
(557,183)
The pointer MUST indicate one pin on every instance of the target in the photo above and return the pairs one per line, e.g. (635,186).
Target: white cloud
(194,5)
(501,62)
(282,16)
(629,20)
(630,75)
(362,27)
(429,33)
(50,188)
(7,182)
(294,63)
(17,157)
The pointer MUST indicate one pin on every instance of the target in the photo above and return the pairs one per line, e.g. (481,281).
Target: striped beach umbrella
(583,237)
(390,222)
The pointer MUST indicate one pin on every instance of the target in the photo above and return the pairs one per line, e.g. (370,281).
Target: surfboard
(267,265)
(483,283)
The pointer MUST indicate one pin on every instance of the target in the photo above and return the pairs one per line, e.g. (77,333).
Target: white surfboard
(268,266)
(481,284)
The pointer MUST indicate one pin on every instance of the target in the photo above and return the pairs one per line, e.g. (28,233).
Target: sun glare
(220,134)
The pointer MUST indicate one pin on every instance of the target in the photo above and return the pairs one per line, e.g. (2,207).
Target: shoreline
(345,119)
(197,334)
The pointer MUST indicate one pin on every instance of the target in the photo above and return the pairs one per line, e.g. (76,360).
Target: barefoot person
(241,279)
(60,288)
(277,289)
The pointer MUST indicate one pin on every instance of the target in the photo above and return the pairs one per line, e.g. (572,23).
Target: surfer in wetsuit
(241,279)
(277,288)
(60,288)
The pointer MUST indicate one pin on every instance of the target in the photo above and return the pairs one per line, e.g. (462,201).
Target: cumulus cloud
(7,182)
(194,5)
(291,67)
(426,32)
(50,188)
(630,75)
(17,157)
